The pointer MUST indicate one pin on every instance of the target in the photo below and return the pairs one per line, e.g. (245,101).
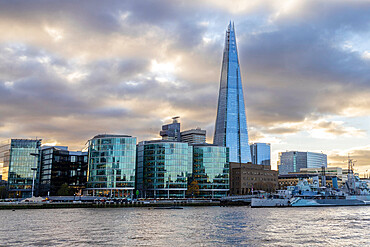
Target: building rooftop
(205,144)
(109,135)
(161,141)
(192,131)
(306,175)
(57,147)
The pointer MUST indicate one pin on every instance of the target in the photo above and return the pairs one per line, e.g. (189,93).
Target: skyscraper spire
(231,123)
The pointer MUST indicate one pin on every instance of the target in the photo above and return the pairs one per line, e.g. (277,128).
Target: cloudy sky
(72,69)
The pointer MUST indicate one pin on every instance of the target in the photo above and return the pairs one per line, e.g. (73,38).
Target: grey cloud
(91,15)
(334,14)
(291,68)
(305,74)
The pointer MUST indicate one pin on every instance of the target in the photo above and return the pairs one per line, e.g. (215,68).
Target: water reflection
(193,226)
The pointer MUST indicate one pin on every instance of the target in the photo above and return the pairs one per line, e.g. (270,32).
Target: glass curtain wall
(164,169)
(211,170)
(112,161)
(17,166)
(231,122)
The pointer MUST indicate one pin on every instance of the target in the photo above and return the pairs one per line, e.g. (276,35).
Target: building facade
(59,166)
(112,164)
(246,178)
(231,122)
(261,153)
(171,131)
(293,161)
(211,170)
(193,136)
(163,169)
(20,161)
(293,179)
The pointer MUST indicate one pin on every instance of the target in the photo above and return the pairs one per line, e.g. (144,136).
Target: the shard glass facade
(231,123)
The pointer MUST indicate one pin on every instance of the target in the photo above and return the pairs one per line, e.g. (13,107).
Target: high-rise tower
(231,122)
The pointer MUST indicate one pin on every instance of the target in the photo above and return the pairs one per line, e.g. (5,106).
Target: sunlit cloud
(366,55)
(361,156)
(54,33)
(128,67)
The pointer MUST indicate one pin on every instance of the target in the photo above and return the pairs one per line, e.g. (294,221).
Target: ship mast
(350,176)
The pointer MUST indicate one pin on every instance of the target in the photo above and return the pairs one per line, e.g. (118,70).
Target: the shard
(231,122)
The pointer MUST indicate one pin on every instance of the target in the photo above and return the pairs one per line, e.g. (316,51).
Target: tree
(65,190)
(3,192)
(193,189)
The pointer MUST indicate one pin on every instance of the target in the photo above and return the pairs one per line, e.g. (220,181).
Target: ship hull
(267,202)
(330,202)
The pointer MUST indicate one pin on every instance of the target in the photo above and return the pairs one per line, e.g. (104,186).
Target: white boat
(280,199)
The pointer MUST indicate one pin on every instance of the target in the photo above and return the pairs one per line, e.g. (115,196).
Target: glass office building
(112,161)
(60,166)
(211,170)
(163,169)
(261,153)
(231,123)
(294,161)
(20,161)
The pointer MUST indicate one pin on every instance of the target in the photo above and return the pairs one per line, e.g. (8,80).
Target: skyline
(71,71)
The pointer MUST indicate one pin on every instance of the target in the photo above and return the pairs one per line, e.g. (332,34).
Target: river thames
(191,226)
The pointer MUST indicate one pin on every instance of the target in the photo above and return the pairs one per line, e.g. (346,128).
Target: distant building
(261,153)
(60,166)
(20,161)
(245,178)
(171,131)
(293,179)
(112,164)
(293,161)
(193,136)
(328,171)
(211,170)
(163,169)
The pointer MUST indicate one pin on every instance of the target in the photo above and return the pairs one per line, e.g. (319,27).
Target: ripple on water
(198,226)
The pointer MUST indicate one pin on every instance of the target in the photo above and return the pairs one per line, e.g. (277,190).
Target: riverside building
(112,164)
(231,122)
(211,170)
(60,166)
(20,162)
(246,178)
(163,168)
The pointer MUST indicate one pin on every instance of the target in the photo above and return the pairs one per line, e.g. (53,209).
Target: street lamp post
(33,171)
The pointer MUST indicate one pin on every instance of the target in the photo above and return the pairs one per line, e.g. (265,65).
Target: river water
(191,226)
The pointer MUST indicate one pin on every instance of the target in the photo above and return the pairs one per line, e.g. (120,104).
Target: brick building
(247,177)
